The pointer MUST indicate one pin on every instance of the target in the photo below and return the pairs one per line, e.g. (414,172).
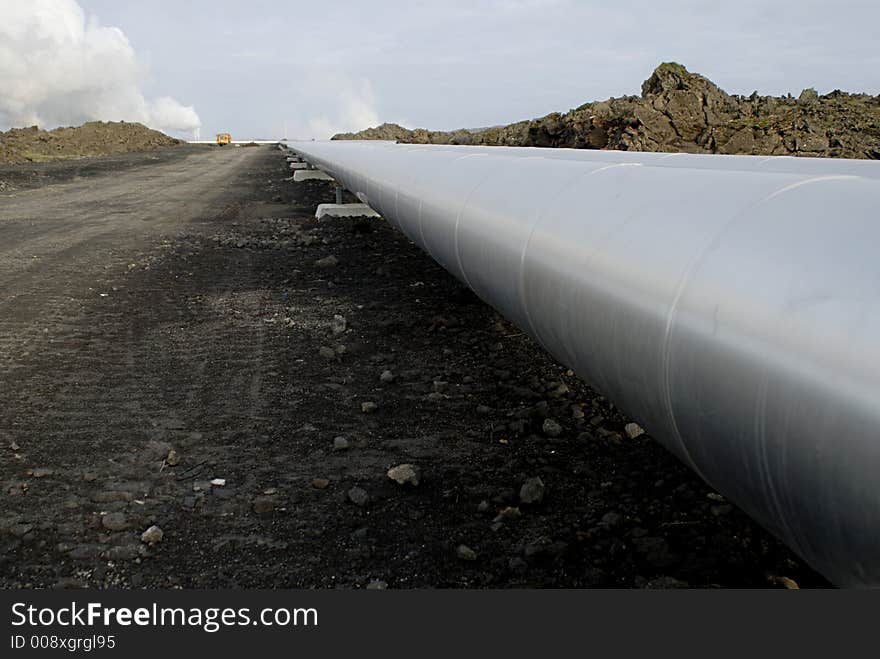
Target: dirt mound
(680,111)
(96,138)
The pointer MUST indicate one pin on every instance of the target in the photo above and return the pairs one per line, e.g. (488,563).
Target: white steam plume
(57,68)
(352,101)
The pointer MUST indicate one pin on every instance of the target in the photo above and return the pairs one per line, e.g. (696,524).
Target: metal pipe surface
(729,304)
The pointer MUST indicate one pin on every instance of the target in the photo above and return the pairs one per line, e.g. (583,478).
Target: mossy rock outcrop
(680,111)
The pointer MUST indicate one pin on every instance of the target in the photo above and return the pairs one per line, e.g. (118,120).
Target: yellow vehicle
(223,139)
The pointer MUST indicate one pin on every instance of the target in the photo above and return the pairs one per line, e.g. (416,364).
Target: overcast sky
(321,66)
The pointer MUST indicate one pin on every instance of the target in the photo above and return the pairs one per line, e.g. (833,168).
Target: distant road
(58,242)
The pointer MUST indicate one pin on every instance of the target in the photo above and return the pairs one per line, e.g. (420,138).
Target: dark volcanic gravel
(26,176)
(232,348)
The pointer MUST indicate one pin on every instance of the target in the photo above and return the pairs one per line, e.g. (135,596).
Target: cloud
(58,68)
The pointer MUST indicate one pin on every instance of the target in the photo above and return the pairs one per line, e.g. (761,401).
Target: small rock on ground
(152,535)
(358,496)
(633,430)
(465,553)
(532,491)
(611,519)
(327,262)
(339,324)
(785,582)
(404,474)
(551,428)
(507,513)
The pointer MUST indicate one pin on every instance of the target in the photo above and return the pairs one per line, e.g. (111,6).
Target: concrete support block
(345,210)
(299,165)
(311,175)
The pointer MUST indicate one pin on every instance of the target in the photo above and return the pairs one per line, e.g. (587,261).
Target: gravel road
(201,386)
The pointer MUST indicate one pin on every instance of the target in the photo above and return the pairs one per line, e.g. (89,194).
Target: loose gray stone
(358,496)
(339,324)
(387,377)
(404,474)
(532,491)
(465,553)
(369,407)
(611,519)
(560,389)
(551,428)
(340,443)
(327,262)
(633,430)
(510,512)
